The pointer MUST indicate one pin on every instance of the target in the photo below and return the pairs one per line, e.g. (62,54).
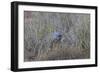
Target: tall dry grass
(38,39)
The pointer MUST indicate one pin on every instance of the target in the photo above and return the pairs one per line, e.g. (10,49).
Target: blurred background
(56,36)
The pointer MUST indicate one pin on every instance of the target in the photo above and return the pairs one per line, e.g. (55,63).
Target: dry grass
(38,27)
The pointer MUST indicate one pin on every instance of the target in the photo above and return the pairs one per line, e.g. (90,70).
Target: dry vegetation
(39,43)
